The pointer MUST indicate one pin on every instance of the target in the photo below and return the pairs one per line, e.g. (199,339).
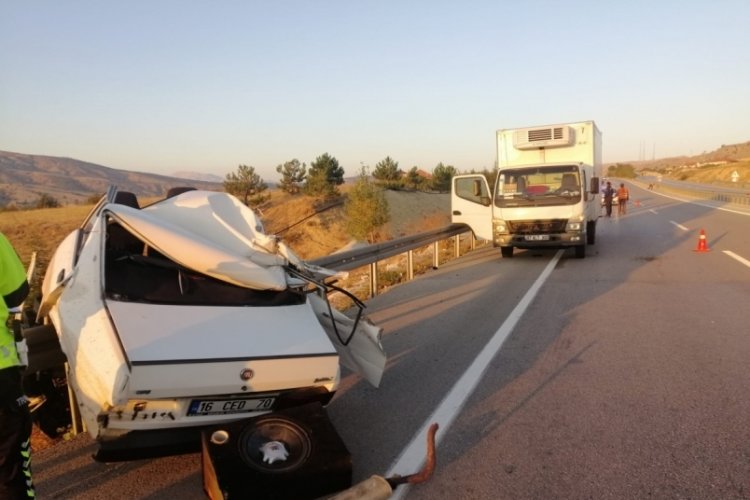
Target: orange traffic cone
(702,245)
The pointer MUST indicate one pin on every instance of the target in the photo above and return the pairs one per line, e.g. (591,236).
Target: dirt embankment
(313,230)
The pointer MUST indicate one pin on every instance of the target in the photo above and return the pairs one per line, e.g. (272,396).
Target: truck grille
(551,226)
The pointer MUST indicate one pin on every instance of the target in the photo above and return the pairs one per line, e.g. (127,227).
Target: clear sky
(166,86)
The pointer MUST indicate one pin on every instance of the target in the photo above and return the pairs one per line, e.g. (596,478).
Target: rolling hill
(726,153)
(25,178)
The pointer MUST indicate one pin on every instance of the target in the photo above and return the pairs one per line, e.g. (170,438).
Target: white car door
(471,204)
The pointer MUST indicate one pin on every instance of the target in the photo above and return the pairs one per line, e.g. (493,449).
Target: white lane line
(653,211)
(412,457)
(703,204)
(736,257)
(679,225)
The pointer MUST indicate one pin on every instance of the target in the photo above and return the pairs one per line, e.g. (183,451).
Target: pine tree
(441,177)
(387,170)
(293,174)
(366,209)
(246,185)
(324,175)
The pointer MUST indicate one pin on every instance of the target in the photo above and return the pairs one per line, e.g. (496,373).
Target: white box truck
(545,191)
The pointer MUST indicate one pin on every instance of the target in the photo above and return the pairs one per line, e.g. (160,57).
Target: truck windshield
(538,186)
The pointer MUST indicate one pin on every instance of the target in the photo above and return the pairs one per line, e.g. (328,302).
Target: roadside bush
(47,201)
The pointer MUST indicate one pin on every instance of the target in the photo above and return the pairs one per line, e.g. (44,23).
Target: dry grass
(40,231)
(313,230)
(716,173)
(306,224)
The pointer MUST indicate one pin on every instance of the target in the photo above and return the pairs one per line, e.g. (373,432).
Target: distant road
(693,185)
(625,377)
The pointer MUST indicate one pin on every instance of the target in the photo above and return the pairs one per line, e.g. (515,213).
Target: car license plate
(226,406)
(537,237)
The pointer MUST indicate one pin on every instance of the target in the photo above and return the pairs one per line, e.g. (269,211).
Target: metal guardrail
(701,193)
(372,254)
(358,257)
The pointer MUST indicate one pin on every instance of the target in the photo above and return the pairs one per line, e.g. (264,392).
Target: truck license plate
(537,237)
(226,406)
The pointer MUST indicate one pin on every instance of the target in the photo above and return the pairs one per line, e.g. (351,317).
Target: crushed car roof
(209,232)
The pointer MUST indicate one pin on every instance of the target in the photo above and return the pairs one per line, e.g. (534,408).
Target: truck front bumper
(540,240)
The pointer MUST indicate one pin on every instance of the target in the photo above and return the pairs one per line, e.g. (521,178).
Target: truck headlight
(499,226)
(575,224)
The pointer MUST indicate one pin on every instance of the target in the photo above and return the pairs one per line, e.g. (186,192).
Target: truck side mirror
(595,185)
(477,189)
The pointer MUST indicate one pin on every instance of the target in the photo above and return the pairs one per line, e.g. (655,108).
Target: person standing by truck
(609,194)
(15,419)
(622,199)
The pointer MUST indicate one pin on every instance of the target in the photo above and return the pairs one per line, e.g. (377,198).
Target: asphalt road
(625,376)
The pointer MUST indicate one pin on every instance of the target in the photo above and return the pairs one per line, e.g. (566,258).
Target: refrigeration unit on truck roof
(578,142)
(546,137)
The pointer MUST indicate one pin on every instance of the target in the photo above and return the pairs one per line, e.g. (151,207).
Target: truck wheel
(506,252)
(590,232)
(580,251)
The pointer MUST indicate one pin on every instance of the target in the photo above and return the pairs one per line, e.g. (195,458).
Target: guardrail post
(435,255)
(373,279)
(410,265)
(457,245)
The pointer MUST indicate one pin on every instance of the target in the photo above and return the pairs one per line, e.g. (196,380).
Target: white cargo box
(570,142)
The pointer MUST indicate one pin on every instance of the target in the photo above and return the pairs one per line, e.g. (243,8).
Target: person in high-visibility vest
(622,199)
(15,418)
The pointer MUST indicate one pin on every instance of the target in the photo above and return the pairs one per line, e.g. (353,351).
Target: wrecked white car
(184,313)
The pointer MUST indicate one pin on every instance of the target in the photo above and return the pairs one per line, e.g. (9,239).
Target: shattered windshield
(538,186)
